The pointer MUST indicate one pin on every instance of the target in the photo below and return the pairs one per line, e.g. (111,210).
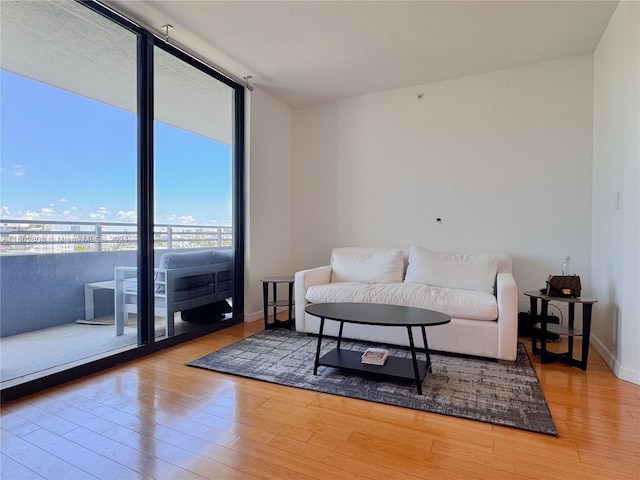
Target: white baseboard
(620,371)
(608,357)
(252,317)
(627,374)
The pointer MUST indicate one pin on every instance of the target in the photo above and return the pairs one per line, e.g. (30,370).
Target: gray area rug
(460,386)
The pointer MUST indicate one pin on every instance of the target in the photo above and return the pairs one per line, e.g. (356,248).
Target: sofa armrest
(507,296)
(303,280)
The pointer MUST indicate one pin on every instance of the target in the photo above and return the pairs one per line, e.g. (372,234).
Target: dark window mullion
(238,201)
(145,190)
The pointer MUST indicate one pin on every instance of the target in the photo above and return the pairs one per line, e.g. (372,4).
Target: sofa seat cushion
(456,303)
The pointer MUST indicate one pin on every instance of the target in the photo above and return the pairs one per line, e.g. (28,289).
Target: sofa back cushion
(367,265)
(185,259)
(468,271)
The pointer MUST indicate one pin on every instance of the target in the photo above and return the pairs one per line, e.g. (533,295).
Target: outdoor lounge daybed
(183,281)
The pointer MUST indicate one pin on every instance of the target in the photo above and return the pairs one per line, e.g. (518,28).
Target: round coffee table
(383,315)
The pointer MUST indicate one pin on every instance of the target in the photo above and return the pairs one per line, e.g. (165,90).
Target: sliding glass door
(192,173)
(68,183)
(121,184)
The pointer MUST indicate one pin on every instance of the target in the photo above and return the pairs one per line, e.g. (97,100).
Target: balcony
(52,313)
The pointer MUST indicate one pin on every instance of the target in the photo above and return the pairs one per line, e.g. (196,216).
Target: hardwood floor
(156,418)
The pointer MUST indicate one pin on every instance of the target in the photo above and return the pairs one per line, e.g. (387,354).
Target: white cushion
(468,271)
(367,267)
(466,304)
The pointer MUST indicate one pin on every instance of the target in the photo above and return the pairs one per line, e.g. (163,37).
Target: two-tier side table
(570,331)
(275,303)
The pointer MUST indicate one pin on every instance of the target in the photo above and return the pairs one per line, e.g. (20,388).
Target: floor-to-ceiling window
(192,173)
(98,185)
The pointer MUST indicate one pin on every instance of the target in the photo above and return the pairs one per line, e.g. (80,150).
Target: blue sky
(67,157)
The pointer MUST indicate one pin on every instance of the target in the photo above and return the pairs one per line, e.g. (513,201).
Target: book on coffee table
(375,356)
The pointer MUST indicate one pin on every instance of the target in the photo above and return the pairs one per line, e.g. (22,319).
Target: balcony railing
(20,237)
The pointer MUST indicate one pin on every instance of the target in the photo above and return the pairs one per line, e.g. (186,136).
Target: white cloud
(127,216)
(47,211)
(181,220)
(31,215)
(63,200)
(100,214)
(18,171)
(187,220)
(5,211)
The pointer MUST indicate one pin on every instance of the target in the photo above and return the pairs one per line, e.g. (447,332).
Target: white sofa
(476,289)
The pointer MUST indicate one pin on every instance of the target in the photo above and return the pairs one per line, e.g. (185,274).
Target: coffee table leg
(340,335)
(315,365)
(415,361)
(426,349)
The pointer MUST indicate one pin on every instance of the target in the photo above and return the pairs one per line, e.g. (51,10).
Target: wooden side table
(570,331)
(275,303)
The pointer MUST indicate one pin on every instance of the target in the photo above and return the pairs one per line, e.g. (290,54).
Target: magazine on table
(375,356)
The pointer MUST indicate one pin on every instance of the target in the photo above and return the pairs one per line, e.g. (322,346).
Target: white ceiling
(304,52)
(66,45)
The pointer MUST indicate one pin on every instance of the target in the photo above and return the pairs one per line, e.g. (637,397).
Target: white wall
(268,196)
(508,160)
(616,167)
(503,158)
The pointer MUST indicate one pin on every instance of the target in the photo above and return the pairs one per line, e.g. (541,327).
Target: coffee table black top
(378,314)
